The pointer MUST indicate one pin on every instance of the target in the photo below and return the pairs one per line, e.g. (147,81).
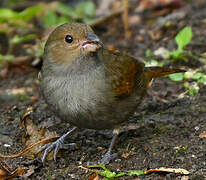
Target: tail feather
(155,72)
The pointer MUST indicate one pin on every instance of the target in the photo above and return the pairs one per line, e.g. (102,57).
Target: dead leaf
(4,72)
(203,54)
(7,172)
(34,138)
(155,35)
(27,149)
(153,4)
(184,177)
(94,177)
(34,99)
(34,134)
(30,171)
(168,170)
(203,134)
(127,154)
(134,20)
(111,48)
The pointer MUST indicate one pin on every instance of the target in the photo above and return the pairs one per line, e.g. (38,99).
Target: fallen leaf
(30,171)
(184,177)
(153,4)
(111,48)
(127,154)
(34,138)
(203,134)
(94,177)
(155,35)
(34,134)
(168,170)
(7,172)
(134,20)
(99,148)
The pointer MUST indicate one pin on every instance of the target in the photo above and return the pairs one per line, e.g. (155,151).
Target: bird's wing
(123,71)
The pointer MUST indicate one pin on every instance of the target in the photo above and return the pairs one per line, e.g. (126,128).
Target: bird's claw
(108,157)
(58,144)
(105,160)
(48,147)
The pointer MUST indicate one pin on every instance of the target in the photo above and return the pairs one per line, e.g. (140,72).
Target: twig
(44,141)
(106,18)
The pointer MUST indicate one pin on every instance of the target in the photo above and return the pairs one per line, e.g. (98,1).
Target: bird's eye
(69,39)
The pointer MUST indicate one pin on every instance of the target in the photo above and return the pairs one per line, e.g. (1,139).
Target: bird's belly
(94,110)
(88,106)
(97,118)
(101,112)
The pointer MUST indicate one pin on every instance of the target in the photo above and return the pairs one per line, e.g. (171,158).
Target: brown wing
(123,71)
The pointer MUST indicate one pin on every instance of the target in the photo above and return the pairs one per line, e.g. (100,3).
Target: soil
(170,124)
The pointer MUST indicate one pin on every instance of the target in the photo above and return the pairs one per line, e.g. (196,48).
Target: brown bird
(89,86)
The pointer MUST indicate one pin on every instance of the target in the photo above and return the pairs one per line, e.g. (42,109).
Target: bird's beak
(92,43)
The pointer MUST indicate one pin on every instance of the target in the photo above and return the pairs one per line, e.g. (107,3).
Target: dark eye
(69,39)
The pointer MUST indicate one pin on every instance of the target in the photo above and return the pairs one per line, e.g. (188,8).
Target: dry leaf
(29,173)
(203,134)
(168,170)
(153,4)
(34,138)
(7,172)
(184,177)
(34,134)
(155,35)
(94,177)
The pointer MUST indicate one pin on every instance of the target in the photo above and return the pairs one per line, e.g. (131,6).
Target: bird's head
(70,41)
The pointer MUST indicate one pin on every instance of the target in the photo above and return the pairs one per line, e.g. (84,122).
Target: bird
(89,86)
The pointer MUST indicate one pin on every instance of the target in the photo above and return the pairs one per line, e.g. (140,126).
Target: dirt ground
(170,124)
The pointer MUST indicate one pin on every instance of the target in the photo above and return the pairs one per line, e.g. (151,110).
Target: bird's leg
(108,156)
(58,144)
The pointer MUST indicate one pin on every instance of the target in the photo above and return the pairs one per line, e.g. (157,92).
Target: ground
(170,124)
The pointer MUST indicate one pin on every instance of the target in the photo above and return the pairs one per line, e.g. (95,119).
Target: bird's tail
(155,72)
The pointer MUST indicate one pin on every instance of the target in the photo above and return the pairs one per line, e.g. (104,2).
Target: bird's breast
(86,100)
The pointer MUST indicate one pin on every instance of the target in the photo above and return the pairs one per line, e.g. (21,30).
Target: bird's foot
(108,157)
(58,144)
(105,160)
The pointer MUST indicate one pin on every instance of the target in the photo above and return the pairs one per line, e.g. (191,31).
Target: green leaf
(29,13)
(17,39)
(184,37)
(106,173)
(98,166)
(85,9)
(148,53)
(197,76)
(8,14)
(175,54)
(177,77)
(202,80)
(121,174)
(50,19)
(8,58)
(135,172)
(109,174)
(193,91)
(193,88)
(62,20)
(66,10)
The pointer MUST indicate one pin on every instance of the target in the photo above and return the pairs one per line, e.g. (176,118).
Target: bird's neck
(85,64)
